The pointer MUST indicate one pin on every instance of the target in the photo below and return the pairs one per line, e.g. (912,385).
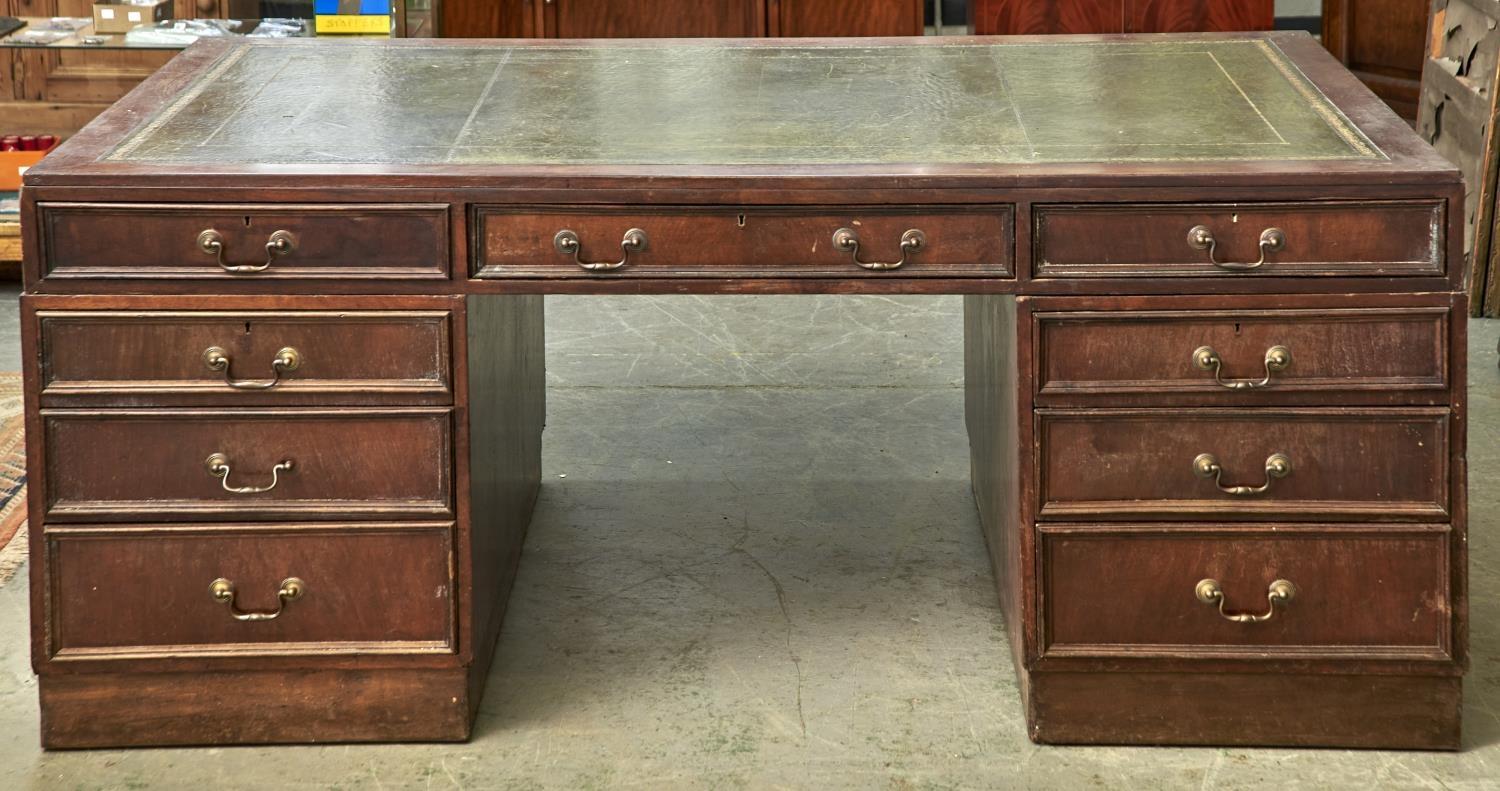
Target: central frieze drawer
(1242,354)
(1303,464)
(361,588)
(146,358)
(1284,591)
(668,241)
(1334,238)
(201,464)
(244,243)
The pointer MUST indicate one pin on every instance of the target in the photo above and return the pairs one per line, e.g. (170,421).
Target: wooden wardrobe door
(1184,16)
(653,18)
(840,18)
(1028,17)
(1382,42)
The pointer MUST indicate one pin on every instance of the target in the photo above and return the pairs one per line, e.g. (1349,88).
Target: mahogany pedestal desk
(283,360)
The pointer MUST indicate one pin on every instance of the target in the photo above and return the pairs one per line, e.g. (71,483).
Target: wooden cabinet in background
(1381,41)
(1030,17)
(57,91)
(679,18)
(652,18)
(843,18)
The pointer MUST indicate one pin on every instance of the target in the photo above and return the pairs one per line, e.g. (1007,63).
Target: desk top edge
(85,159)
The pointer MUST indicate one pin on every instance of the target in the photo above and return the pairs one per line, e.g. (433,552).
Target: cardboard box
(13,164)
(352,25)
(122,15)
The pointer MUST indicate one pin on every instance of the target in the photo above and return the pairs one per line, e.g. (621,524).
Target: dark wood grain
(1129,591)
(130,358)
(843,18)
(1346,463)
(143,590)
(1261,709)
(84,711)
(1390,354)
(486,18)
(1011,17)
(506,373)
(1322,239)
(1184,16)
(1382,42)
(745,243)
(347,463)
(1024,17)
(378,241)
(653,18)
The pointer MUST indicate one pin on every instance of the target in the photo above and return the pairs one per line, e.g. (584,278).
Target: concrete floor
(756,564)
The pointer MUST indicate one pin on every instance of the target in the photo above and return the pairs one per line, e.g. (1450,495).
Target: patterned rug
(12,477)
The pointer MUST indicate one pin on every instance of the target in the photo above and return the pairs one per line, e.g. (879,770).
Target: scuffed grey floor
(756,564)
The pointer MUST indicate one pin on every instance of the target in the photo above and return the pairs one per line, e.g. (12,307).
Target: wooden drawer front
(144,358)
(140,590)
(1348,239)
(152,465)
(1156,351)
(1375,464)
(133,240)
(1371,590)
(732,242)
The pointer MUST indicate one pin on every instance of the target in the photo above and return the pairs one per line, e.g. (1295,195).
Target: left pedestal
(269,519)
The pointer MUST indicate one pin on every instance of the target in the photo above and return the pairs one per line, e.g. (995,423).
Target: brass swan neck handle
(1209,591)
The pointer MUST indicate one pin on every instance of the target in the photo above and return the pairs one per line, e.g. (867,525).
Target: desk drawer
(144,358)
(1242,355)
(1133,590)
(154,465)
(1326,239)
(523,242)
(140,590)
(1307,464)
(244,243)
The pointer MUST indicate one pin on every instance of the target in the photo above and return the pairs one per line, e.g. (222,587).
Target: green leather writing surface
(710,104)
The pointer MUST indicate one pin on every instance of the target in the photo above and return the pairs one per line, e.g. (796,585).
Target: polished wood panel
(1013,17)
(347,463)
(744,242)
(132,358)
(312,706)
(1188,16)
(1129,591)
(1025,17)
(995,402)
(486,18)
(1377,239)
(1345,463)
(1382,42)
(134,591)
(836,18)
(652,18)
(1211,707)
(507,410)
(1334,352)
(91,240)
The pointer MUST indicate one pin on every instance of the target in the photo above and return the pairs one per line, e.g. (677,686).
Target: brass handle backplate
(1280,592)
(1206,465)
(223,591)
(218,466)
(1277,359)
(288,359)
(280,243)
(846,240)
(566,243)
(1201,238)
